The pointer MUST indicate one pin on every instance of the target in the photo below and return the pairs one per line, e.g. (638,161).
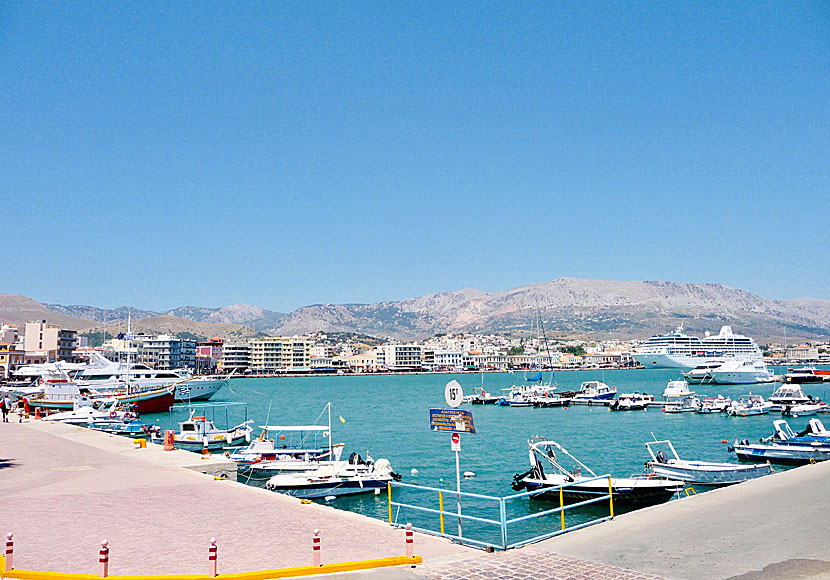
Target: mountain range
(569,308)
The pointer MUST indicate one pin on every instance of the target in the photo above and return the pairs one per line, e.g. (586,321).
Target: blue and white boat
(812,444)
(595,391)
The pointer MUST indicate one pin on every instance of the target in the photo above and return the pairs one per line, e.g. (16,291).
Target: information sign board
(453,420)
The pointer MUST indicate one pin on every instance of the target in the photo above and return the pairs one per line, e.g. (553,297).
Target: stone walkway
(530,564)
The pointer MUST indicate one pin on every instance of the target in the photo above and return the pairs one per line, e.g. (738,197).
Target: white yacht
(741,372)
(679,350)
(102,375)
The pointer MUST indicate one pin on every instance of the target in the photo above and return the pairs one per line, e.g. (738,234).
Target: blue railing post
(503,513)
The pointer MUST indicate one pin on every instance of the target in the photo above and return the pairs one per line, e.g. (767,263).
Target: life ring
(113,414)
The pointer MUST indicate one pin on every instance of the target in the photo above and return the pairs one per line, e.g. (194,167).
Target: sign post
(456,446)
(455,421)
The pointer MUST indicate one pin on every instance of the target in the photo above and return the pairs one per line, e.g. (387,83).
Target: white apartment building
(235,357)
(401,356)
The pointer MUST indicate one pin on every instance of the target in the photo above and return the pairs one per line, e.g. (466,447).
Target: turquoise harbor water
(387,416)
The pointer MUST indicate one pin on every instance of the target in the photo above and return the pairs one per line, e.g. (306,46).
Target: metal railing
(490,522)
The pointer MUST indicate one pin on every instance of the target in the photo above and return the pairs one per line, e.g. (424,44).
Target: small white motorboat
(688,404)
(748,405)
(335,479)
(717,404)
(670,466)
(632,402)
(576,487)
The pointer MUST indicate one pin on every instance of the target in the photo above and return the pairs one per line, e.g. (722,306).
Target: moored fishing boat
(198,433)
(576,487)
(336,479)
(699,472)
(595,391)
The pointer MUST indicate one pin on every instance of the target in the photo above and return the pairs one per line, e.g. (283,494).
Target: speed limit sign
(453,394)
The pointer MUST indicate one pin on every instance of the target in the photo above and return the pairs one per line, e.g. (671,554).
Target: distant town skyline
(159,155)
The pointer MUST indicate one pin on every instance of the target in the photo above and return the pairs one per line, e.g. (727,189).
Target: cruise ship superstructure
(679,350)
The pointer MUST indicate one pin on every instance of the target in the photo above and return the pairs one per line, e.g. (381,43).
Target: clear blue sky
(159,154)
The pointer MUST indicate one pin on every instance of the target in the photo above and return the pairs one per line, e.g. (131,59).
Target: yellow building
(10,358)
(275,353)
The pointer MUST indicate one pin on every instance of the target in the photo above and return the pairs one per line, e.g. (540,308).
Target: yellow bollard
(562,505)
(441,508)
(142,443)
(389,500)
(611,494)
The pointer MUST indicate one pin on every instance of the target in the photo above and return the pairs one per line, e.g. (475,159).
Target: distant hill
(574,307)
(18,309)
(569,307)
(168,324)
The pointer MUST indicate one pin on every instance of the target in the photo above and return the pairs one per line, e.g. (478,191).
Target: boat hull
(335,487)
(709,473)
(782,453)
(632,496)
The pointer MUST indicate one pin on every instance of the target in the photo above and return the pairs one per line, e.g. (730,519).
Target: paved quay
(63,489)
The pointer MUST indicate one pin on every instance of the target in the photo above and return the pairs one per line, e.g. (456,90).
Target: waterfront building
(402,356)
(165,352)
(49,341)
(210,352)
(235,358)
(11,357)
(802,353)
(364,362)
(274,353)
(442,359)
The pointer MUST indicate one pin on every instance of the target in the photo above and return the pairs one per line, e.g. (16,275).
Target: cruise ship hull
(665,361)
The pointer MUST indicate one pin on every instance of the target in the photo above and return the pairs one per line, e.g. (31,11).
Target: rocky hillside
(168,324)
(569,307)
(572,307)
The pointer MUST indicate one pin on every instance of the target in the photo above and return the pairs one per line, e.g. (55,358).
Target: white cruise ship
(679,350)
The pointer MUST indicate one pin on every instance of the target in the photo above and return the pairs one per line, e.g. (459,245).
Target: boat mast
(331,457)
(129,345)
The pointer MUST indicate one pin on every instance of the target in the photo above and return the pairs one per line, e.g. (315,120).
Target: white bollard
(410,548)
(212,559)
(315,546)
(104,559)
(9,552)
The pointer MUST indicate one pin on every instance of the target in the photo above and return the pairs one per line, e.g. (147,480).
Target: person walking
(5,406)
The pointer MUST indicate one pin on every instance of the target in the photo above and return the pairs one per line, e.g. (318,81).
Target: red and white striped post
(104,559)
(9,552)
(212,559)
(315,546)
(410,548)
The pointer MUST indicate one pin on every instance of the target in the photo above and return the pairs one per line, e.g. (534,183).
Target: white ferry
(679,350)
